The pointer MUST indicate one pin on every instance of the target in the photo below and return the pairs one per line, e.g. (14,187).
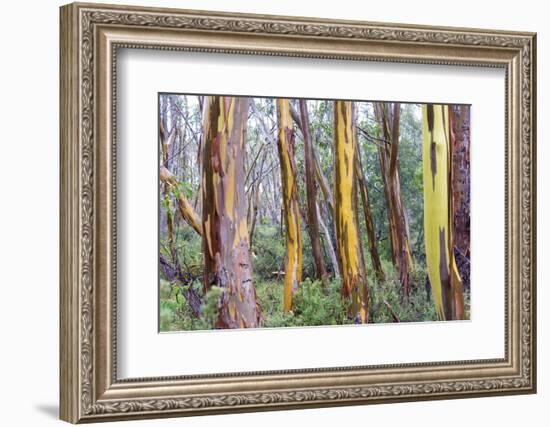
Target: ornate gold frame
(90,36)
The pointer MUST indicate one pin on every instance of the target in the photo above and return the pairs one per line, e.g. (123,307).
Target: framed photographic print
(268,212)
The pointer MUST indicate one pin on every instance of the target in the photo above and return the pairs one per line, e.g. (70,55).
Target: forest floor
(314,305)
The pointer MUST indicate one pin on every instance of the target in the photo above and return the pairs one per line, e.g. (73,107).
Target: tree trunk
(436,158)
(225,243)
(311,195)
(389,162)
(459,116)
(383,157)
(322,182)
(293,259)
(319,177)
(373,249)
(354,280)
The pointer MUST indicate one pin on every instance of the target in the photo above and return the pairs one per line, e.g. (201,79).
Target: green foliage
(410,173)
(420,307)
(308,264)
(314,304)
(185,188)
(174,312)
(189,248)
(270,295)
(168,307)
(268,251)
(467,303)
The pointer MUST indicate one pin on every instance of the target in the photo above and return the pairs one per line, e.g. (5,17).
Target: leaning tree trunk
(311,190)
(293,234)
(354,280)
(185,208)
(226,249)
(436,158)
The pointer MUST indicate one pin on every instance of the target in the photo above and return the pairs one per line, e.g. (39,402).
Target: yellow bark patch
(354,282)
(243,229)
(215,185)
(241,233)
(232,310)
(344,184)
(363,314)
(221,136)
(230,115)
(221,115)
(437,222)
(293,259)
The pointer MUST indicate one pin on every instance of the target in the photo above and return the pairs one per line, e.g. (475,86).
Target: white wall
(29,170)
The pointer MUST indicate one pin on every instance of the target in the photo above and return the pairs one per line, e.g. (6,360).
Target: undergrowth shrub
(314,304)
(268,252)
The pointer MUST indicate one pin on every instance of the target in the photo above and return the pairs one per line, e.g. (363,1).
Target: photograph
(288,208)
(291,212)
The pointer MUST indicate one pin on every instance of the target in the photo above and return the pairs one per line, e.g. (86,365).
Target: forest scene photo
(281,212)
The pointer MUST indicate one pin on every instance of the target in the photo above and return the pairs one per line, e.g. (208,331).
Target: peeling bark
(459,116)
(354,280)
(444,278)
(291,212)
(225,231)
